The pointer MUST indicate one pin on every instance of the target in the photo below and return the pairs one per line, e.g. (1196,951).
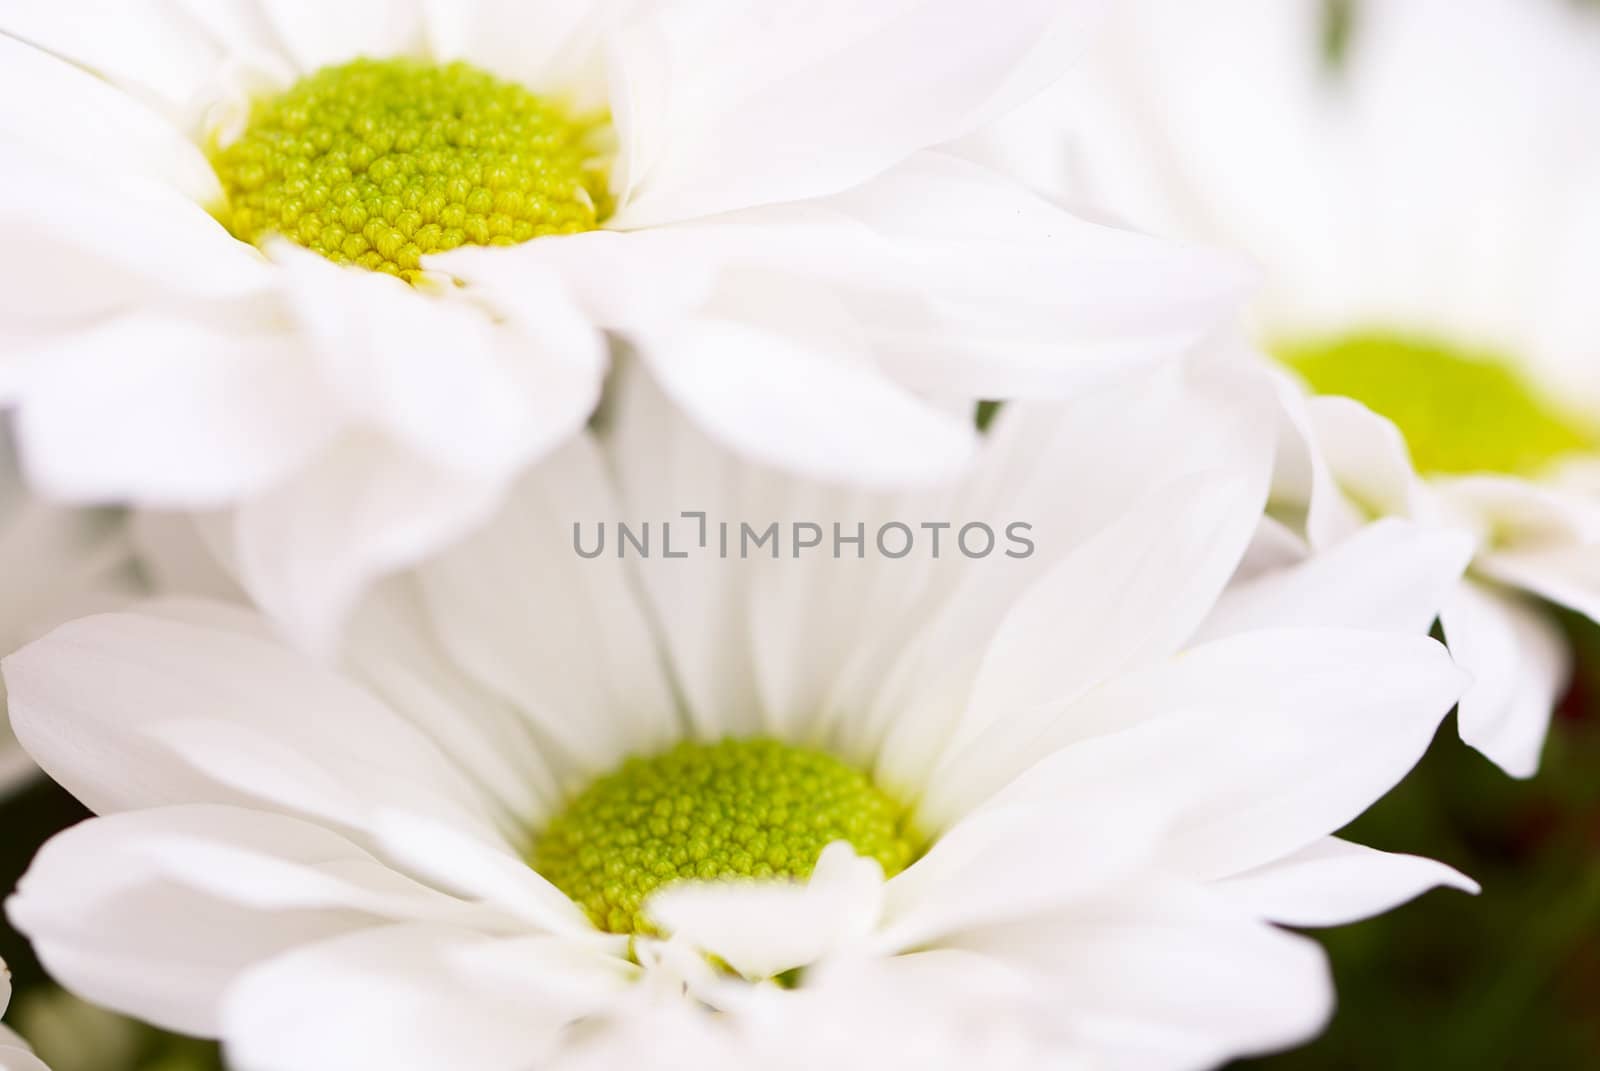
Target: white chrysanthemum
(746,195)
(56,563)
(14,1052)
(1426,214)
(1054,800)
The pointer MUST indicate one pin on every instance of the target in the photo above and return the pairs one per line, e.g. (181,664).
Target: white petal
(1561,336)
(552,47)
(666,465)
(1199,998)
(984,289)
(831,625)
(169,413)
(230,615)
(136,43)
(112,926)
(481,870)
(238,27)
(1306,495)
(1065,472)
(56,563)
(1518,76)
(1112,446)
(122,246)
(1566,575)
(317,34)
(1332,882)
(1365,454)
(560,638)
(274,863)
(1392,575)
(1208,124)
(940,276)
(119,709)
(1165,975)
(765,928)
(442,376)
(1519,515)
(307,549)
(391,646)
(987,870)
(634,280)
(789,101)
(1520,664)
(646,1027)
(82,122)
(1275,547)
(1130,597)
(1257,744)
(414,998)
(819,409)
(938,1009)
(955,280)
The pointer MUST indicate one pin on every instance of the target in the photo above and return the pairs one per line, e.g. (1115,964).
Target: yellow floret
(381,162)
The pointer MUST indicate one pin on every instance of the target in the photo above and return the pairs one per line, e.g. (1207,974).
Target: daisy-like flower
(746,195)
(56,563)
(1418,182)
(1032,799)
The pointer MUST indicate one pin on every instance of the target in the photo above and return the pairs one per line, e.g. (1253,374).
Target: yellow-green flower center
(381,162)
(1461,411)
(752,808)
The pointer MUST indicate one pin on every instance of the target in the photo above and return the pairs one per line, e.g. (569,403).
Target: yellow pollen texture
(740,808)
(378,163)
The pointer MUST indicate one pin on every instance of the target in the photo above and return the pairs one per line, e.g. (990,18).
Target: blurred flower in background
(1417,180)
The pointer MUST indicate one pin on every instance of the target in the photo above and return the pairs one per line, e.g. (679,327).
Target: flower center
(380,162)
(752,808)
(1460,411)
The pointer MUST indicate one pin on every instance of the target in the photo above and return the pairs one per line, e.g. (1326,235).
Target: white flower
(761,216)
(14,1052)
(1108,776)
(1425,213)
(56,563)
